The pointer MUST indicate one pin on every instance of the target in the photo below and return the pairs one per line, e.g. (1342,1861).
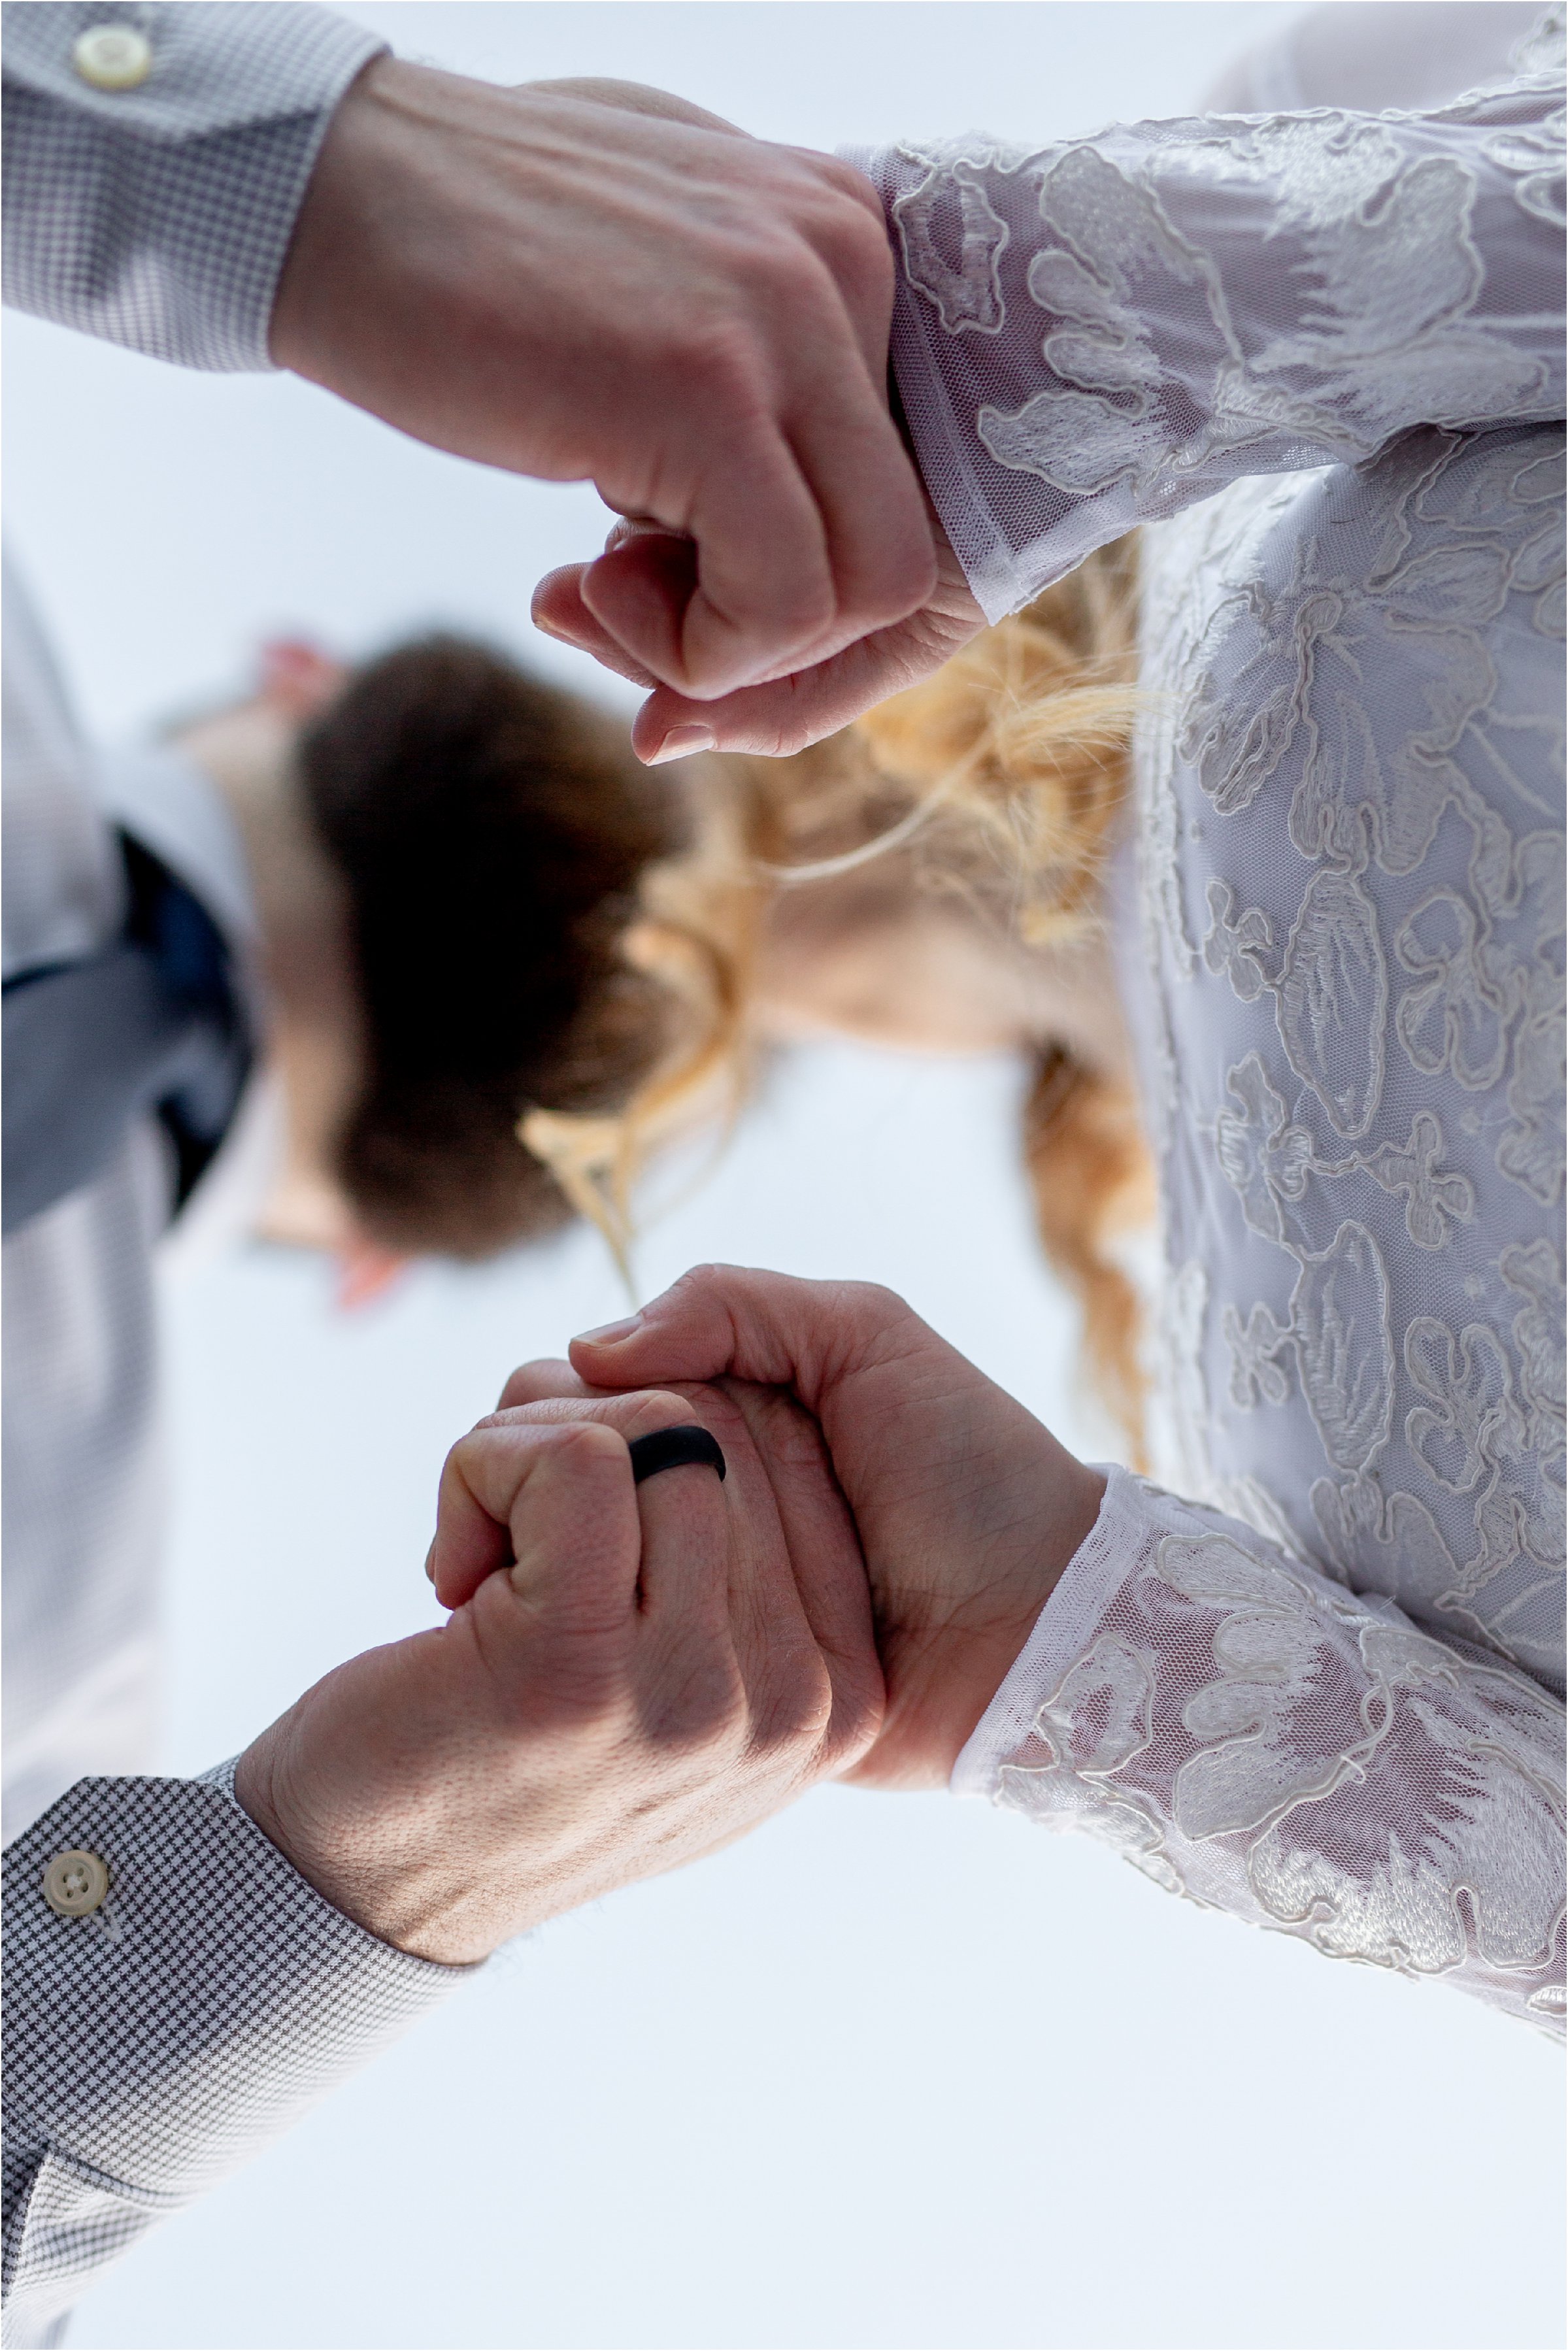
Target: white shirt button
(112,57)
(75,1883)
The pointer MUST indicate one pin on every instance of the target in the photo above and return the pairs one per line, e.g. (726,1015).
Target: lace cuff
(1096,334)
(159,216)
(1253,1735)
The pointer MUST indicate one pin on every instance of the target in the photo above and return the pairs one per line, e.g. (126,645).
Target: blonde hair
(999,778)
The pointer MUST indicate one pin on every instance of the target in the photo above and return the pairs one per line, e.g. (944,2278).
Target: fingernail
(610,1334)
(680,743)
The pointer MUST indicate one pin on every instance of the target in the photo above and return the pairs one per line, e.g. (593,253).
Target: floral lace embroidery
(1255,1739)
(1308,354)
(1470,1000)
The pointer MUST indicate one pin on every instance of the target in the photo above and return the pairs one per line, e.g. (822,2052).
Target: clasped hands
(593,281)
(631,1676)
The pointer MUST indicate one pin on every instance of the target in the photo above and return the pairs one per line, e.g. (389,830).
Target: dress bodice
(1351,871)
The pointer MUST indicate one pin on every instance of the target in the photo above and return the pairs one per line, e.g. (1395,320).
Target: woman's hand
(631,1677)
(967,1509)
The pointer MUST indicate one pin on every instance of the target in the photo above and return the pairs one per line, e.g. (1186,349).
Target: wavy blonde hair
(999,779)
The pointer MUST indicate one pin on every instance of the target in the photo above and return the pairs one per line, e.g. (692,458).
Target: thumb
(722,1321)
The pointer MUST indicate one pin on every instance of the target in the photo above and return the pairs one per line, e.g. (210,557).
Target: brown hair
(493,834)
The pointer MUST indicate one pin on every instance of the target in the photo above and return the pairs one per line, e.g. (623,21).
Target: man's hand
(631,1677)
(968,1510)
(784,713)
(579,287)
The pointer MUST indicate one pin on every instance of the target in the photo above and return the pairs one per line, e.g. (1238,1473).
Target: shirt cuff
(159,216)
(211,1998)
(1062,1631)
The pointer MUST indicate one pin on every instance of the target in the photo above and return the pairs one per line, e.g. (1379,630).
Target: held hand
(576,283)
(967,1509)
(788,712)
(631,1677)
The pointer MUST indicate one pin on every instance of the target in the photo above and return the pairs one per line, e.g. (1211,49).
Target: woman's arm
(1103,331)
(1251,1734)
(1104,1658)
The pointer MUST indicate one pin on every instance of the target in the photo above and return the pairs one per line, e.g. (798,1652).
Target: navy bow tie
(152,1023)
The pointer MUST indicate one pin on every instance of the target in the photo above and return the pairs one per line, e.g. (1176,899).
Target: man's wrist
(299,298)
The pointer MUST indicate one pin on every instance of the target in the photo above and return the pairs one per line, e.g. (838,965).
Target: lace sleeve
(1259,1738)
(1103,331)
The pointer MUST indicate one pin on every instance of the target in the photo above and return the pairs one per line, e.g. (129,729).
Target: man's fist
(580,283)
(631,1677)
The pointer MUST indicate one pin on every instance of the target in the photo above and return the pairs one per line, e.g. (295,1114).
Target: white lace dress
(1323,1692)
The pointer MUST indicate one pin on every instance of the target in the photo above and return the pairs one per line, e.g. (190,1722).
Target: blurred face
(314,1046)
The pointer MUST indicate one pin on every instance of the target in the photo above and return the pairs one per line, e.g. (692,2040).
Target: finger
(871,500)
(763,593)
(724,1320)
(640,591)
(536,1381)
(681,1512)
(507,1489)
(774,720)
(845,551)
(808,517)
(686,1514)
(851,238)
(818,1528)
(558,610)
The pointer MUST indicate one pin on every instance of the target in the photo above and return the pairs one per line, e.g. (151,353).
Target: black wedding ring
(673,1448)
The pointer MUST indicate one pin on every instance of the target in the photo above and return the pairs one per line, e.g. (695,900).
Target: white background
(899,2072)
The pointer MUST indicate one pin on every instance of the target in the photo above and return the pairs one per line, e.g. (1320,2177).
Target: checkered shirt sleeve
(159,216)
(154,2045)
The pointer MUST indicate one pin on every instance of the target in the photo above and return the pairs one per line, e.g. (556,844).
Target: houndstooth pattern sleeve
(155,2044)
(1258,1737)
(159,216)
(1099,333)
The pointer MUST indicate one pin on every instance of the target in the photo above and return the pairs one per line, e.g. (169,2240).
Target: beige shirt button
(112,57)
(75,1883)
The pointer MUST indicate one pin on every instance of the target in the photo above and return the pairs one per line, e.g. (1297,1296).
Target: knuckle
(857,245)
(799,1713)
(503,1417)
(842,180)
(794,274)
(587,1441)
(699,1279)
(721,357)
(664,1402)
(700,1712)
(875,1301)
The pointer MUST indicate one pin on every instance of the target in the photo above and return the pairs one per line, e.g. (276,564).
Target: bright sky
(898,2072)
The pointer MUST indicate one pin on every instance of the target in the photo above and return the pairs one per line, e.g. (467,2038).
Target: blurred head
(492,835)
(560,957)
(933,876)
